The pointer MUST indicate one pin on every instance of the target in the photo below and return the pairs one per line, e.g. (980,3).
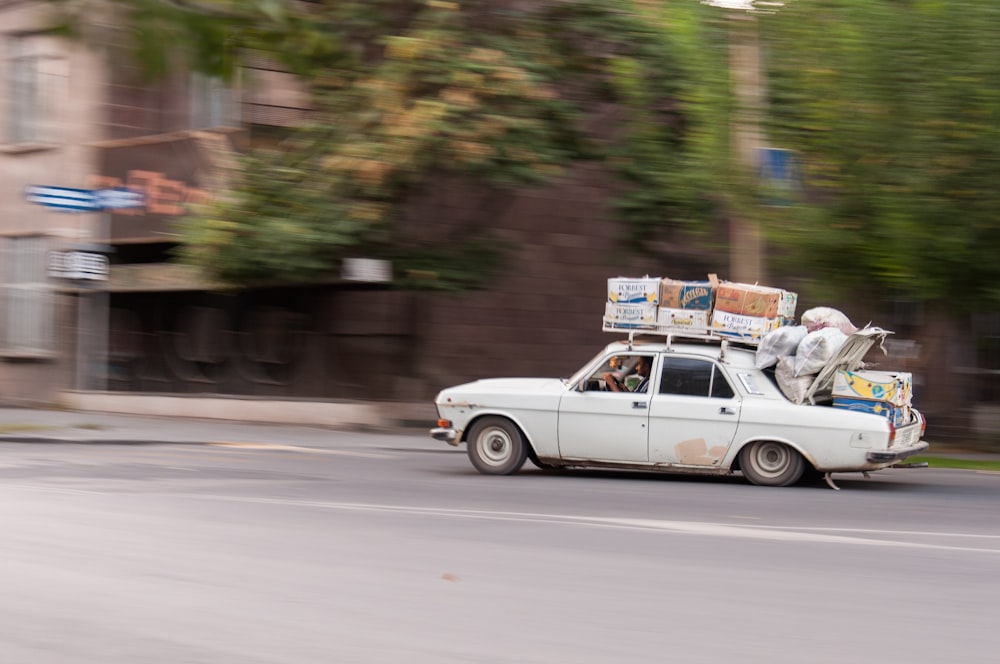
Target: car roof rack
(688,334)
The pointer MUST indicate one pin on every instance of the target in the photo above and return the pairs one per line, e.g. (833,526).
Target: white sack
(818,318)
(816,349)
(794,388)
(779,343)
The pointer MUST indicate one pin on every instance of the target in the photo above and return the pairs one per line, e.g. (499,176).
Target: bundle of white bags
(798,352)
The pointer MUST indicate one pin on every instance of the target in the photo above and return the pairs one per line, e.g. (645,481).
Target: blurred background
(376,199)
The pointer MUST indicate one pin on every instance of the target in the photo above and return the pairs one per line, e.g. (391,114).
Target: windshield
(587,368)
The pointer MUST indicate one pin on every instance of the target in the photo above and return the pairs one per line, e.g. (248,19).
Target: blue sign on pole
(84,200)
(779,170)
(63,198)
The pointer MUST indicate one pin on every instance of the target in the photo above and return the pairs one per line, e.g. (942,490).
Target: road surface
(390,548)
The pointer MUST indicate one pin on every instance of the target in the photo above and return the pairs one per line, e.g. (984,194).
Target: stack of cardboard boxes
(744,312)
(751,311)
(880,392)
(686,305)
(736,310)
(632,303)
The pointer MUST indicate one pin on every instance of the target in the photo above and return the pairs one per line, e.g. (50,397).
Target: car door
(694,414)
(605,426)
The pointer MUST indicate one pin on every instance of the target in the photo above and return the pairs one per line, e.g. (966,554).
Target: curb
(35,440)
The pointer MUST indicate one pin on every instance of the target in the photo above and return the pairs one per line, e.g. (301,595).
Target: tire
(496,446)
(771,464)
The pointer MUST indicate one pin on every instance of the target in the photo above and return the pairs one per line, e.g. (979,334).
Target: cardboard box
(695,295)
(748,300)
(691,320)
(750,328)
(898,415)
(786,307)
(623,290)
(630,316)
(895,388)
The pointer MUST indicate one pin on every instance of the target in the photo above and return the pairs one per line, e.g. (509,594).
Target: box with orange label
(748,300)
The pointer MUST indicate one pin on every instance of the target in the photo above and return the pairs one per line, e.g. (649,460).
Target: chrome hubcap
(495,446)
(771,459)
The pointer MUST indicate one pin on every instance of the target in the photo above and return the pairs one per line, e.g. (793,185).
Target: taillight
(444,424)
(892,432)
(923,425)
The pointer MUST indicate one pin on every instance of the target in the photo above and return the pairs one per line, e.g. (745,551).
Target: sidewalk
(40,425)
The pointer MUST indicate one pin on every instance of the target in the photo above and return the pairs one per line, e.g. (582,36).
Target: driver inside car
(615,380)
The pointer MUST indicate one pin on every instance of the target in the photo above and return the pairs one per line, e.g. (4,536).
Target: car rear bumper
(897,453)
(447,434)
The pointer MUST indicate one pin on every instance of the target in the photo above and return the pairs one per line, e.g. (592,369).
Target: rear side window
(693,377)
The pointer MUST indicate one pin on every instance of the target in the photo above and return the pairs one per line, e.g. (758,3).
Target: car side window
(721,389)
(693,377)
(621,373)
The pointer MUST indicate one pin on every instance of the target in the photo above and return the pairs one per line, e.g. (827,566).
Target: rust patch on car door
(695,452)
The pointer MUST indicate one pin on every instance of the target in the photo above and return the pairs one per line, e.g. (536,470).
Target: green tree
(494,93)
(892,106)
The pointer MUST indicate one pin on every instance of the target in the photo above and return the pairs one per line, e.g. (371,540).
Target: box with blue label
(786,307)
(898,415)
(895,388)
(623,290)
(641,316)
(747,328)
(695,295)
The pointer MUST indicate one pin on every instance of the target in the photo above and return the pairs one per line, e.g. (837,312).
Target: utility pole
(746,242)
(746,69)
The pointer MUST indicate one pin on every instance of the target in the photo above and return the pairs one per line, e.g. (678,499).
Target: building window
(26,299)
(37,84)
(212,103)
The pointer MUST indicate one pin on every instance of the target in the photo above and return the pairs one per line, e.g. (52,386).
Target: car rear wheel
(771,464)
(496,446)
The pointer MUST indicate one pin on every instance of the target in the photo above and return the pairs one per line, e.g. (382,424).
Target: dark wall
(541,316)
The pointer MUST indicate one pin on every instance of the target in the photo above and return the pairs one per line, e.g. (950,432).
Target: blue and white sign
(62,198)
(119,198)
(84,200)
(78,265)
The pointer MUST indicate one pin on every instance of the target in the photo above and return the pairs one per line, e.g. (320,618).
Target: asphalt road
(390,548)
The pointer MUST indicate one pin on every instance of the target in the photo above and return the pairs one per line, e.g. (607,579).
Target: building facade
(79,118)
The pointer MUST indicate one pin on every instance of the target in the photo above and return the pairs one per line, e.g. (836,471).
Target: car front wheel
(496,446)
(771,464)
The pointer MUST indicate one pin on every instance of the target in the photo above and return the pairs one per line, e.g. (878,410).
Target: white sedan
(706,409)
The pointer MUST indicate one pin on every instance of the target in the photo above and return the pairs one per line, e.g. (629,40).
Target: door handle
(725,410)
(639,404)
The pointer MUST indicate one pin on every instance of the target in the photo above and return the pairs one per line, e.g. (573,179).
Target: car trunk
(849,357)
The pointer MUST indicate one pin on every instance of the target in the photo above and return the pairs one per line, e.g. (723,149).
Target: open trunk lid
(849,357)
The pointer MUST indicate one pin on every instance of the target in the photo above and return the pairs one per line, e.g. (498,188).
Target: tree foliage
(893,108)
(891,105)
(499,93)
